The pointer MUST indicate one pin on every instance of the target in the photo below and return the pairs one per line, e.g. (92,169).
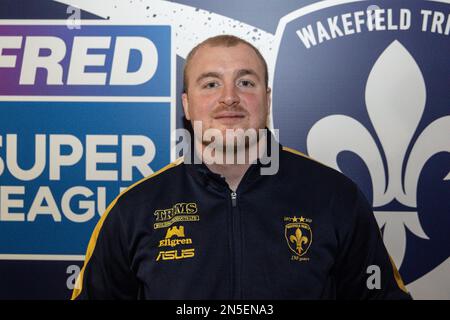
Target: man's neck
(233,173)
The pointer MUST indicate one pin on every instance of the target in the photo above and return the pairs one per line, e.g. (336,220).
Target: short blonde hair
(225,41)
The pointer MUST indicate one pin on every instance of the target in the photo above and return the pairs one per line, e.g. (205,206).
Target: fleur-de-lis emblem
(395,100)
(298,235)
(299,240)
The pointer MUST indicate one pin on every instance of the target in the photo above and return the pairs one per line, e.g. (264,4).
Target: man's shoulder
(295,159)
(143,189)
(314,174)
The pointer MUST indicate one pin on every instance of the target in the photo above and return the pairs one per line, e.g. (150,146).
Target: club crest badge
(298,234)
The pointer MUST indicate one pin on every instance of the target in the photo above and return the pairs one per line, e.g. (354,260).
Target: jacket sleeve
(364,267)
(106,273)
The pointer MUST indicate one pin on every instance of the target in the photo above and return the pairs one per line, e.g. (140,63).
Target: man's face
(226,89)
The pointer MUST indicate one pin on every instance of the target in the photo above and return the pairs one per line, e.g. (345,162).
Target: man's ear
(185,102)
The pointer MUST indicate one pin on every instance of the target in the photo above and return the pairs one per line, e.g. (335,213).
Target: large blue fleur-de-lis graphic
(395,100)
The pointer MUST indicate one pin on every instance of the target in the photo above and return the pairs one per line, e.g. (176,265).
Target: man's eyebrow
(246,72)
(240,73)
(207,75)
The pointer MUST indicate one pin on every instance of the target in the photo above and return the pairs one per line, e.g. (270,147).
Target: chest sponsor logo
(175,236)
(176,254)
(180,237)
(180,212)
(298,235)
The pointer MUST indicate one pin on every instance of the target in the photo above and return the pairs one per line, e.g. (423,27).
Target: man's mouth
(229,115)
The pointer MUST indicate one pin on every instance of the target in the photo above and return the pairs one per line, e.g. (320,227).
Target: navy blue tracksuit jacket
(306,232)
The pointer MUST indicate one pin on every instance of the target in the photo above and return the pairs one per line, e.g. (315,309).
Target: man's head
(222,41)
(226,85)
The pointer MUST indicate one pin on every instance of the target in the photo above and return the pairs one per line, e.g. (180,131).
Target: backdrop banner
(90,97)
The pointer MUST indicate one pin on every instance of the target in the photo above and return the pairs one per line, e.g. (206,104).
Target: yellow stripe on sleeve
(398,277)
(301,154)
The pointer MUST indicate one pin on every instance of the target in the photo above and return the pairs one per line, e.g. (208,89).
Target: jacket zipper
(236,247)
(233,199)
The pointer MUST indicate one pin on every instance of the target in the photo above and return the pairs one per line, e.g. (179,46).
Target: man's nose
(230,95)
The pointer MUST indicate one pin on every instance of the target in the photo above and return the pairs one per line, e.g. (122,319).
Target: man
(216,230)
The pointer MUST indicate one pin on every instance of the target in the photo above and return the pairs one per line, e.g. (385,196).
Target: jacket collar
(206,177)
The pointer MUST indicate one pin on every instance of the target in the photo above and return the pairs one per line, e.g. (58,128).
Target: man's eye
(246,83)
(211,85)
